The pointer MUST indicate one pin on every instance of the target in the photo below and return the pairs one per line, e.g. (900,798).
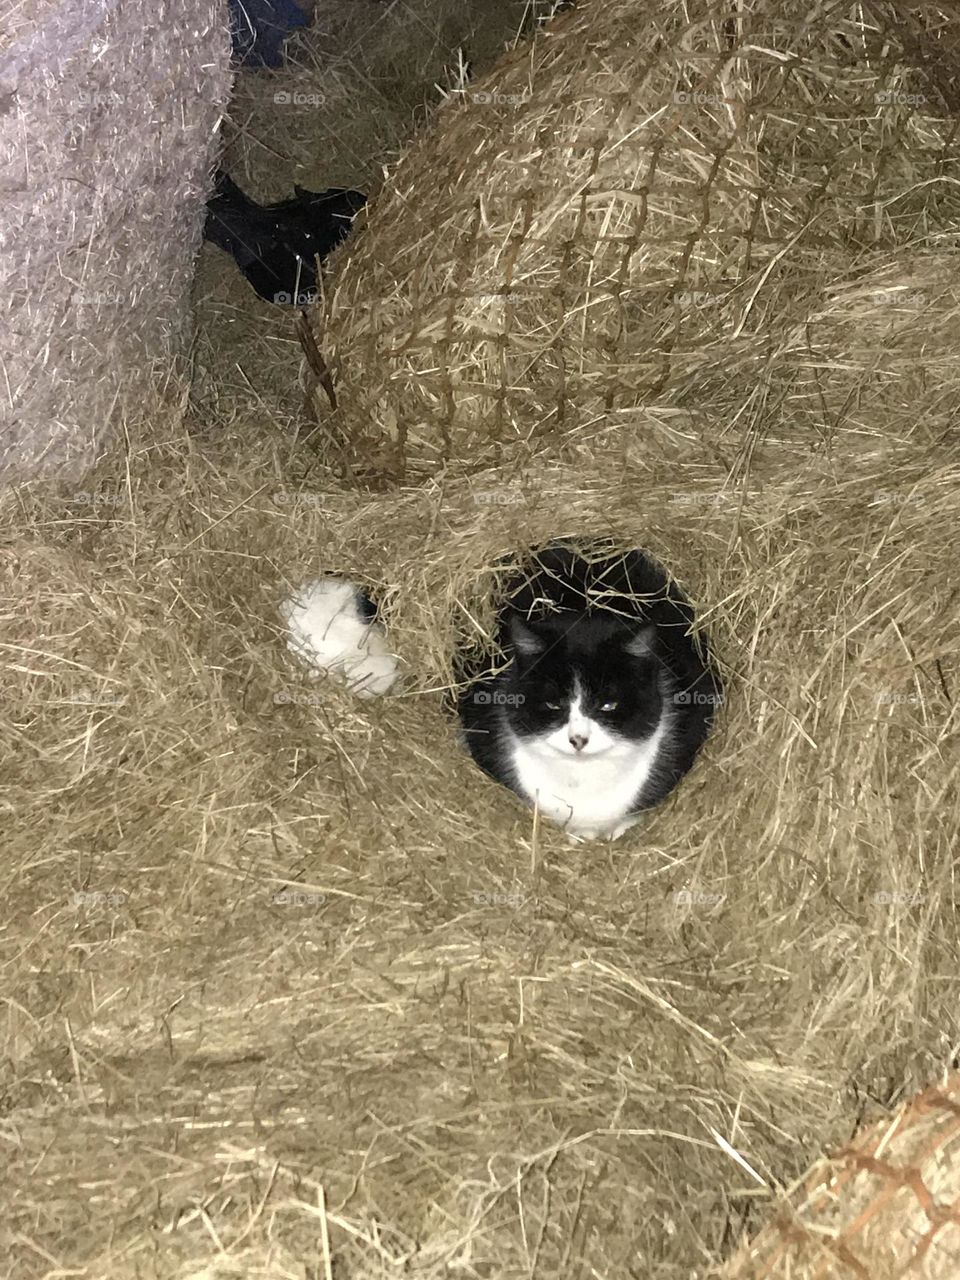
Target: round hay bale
(884,1207)
(878,348)
(632,204)
(108,115)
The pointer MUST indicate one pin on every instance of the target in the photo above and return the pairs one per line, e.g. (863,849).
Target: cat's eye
(552,706)
(610,706)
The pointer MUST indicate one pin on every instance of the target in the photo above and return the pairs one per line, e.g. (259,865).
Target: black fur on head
(611,668)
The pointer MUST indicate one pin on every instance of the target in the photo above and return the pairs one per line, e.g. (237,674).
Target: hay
(451,1043)
(620,212)
(887,1205)
(106,136)
(291,990)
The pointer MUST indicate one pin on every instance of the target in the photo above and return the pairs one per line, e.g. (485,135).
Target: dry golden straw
(288,989)
(617,215)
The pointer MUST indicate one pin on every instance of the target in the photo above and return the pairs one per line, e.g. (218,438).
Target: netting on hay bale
(107,129)
(616,215)
(736,532)
(885,1207)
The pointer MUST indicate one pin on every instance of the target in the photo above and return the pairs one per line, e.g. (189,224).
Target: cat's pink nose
(577,741)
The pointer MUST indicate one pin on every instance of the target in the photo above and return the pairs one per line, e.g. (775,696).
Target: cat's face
(583,690)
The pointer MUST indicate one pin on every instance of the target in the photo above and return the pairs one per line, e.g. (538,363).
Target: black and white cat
(605,699)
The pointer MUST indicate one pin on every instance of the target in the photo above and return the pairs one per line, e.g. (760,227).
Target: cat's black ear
(525,639)
(641,643)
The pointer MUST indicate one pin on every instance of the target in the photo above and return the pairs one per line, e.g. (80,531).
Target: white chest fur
(590,796)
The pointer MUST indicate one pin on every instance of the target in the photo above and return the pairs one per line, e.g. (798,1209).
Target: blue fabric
(259,28)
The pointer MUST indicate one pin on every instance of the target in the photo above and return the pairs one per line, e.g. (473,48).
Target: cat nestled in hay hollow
(603,702)
(606,696)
